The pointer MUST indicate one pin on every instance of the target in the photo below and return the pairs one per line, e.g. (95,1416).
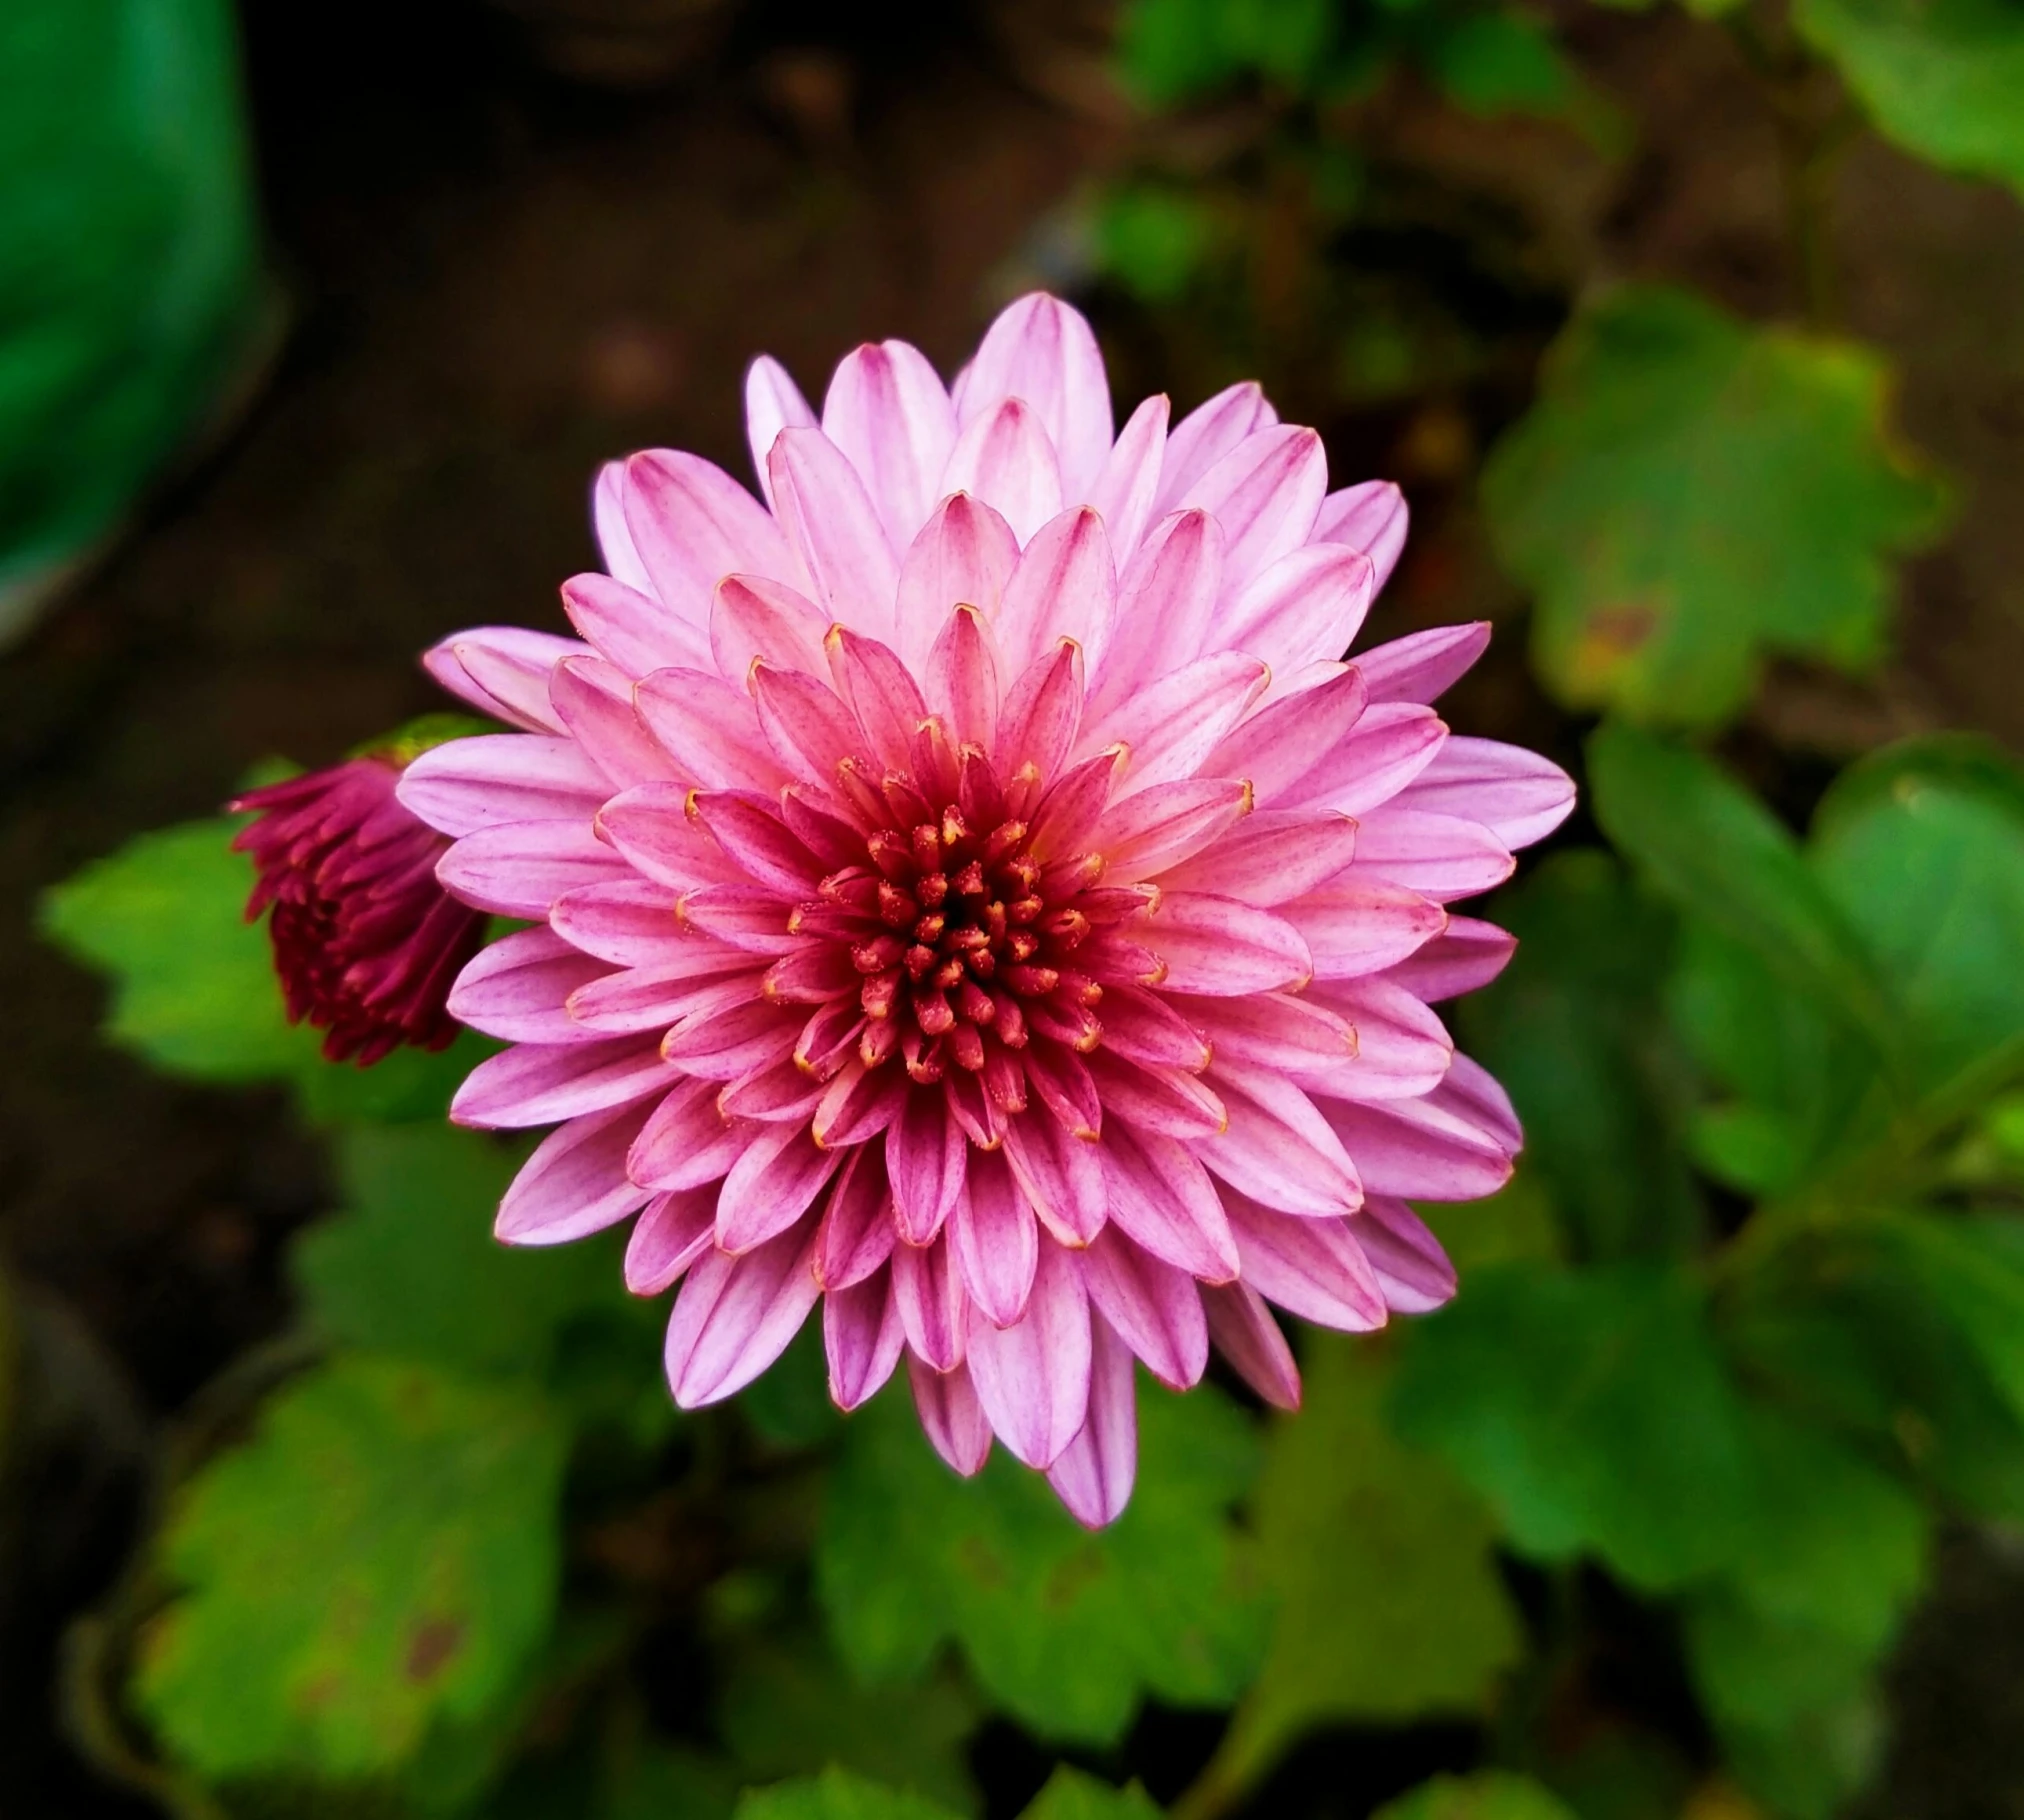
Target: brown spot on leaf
(432,1646)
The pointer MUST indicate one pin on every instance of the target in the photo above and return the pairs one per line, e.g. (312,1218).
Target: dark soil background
(498,278)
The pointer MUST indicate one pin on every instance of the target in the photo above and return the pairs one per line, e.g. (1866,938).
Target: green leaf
(836,1795)
(1072,1795)
(383,1554)
(787,1707)
(789,1405)
(1712,848)
(1691,493)
(1941,77)
(1065,1629)
(1573,1030)
(1153,239)
(1927,865)
(1389,1608)
(193,985)
(1492,1794)
(1540,1387)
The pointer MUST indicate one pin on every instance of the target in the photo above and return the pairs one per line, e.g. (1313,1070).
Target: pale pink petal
(1519,796)
(1277,1146)
(924,1162)
(964,556)
(1370,517)
(771,1186)
(1123,493)
(1208,433)
(1145,1027)
(1005,457)
(1412,1269)
(835,530)
(735,1316)
(1042,713)
(747,917)
(933,1304)
(1305,607)
(614,540)
(1390,745)
(468,784)
(519,869)
(1420,667)
(710,730)
(575,1182)
(539,1084)
(1279,745)
(1464,957)
(594,700)
(1064,587)
(503,671)
(1068,815)
(1268,1030)
(1221,948)
(1062,1175)
(1402,1048)
(518,988)
(1169,727)
(1161,1197)
(1245,1333)
(951,1416)
(672,1232)
(750,832)
(995,1238)
(1162,826)
(635,631)
(692,525)
(773,402)
(1093,1477)
(1166,601)
(962,678)
(1271,857)
(651,827)
(1033,1377)
(887,411)
(862,1338)
(1442,857)
(1435,1148)
(1155,1096)
(755,616)
(1312,1268)
(1042,351)
(687,1142)
(1155,1308)
(805,722)
(1265,494)
(629,922)
(1354,929)
(882,693)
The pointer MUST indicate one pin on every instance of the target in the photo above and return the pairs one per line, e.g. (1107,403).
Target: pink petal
(857,1228)
(1156,1097)
(858,1104)
(1267,1030)
(634,630)
(1033,1377)
(735,1316)
(995,1238)
(881,692)
(1005,457)
(1166,600)
(779,1094)
(1440,856)
(1123,493)
(752,616)
(706,978)
(651,826)
(1156,1309)
(1466,955)
(1064,587)
(1271,857)
(1370,517)
(1093,1477)
(503,671)
(1312,1268)
(1171,726)
(933,1305)
(1474,1092)
(1390,745)
(630,923)
(709,730)
(924,1162)
(963,677)
(1287,739)
(862,1337)
(594,700)
(773,403)
(1162,826)
(951,1416)
(770,1187)
(1221,948)
(1402,1049)
(1245,1334)
(805,722)
(468,784)
(1420,667)
(520,869)
(574,1183)
(671,1234)
(1062,1175)
(1265,494)
(1067,817)
(835,530)
(887,411)
(1412,1269)
(1162,1197)
(614,541)
(750,918)
(1060,1079)
(692,525)
(541,1084)
(964,556)
(1208,433)
(1042,351)
(1278,1147)
(1429,1149)
(687,1142)
(1364,927)
(1143,1027)
(1519,796)
(1040,717)
(517,988)
(1306,607)
(726,1042)
(751,833)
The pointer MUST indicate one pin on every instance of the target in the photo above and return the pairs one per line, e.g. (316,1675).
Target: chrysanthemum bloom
(366,940)
(974,895)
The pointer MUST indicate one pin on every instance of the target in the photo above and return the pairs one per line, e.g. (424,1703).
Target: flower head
(973,893)
(366,941)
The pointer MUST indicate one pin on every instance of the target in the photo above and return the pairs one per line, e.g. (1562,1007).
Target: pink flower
(973,895)
(366,941)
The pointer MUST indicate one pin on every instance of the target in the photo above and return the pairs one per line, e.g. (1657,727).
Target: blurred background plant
(1685,1508)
